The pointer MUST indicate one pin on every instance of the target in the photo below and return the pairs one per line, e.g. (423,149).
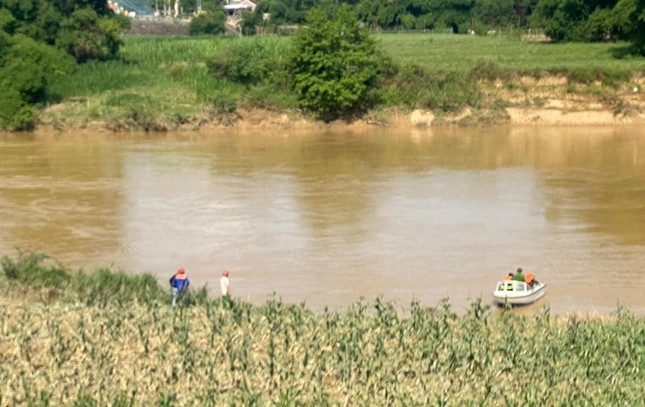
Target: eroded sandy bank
(520,101)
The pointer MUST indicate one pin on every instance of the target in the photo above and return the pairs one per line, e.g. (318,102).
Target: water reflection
(329,217)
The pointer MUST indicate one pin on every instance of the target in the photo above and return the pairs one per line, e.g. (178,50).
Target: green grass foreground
(133,351)
(161,83)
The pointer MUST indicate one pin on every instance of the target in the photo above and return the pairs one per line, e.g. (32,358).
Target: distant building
(234,10)
(237,7)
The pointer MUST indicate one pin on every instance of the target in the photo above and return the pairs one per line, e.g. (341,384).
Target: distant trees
(26,68)
(85,29)
(490,14)
(637,29)
(281,12)
(628,22)
(562,20)
(40,39)
(86,35)
(592,20)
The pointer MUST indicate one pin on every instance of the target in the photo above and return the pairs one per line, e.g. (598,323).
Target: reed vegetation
(49,281)
(131,351)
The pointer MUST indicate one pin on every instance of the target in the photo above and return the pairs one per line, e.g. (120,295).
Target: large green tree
(26,69)
(336,64)
(628,20)
(36,37)
(562,19)
(638,33)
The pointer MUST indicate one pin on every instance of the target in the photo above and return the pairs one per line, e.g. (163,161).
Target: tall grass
(99,287)
(163,82)
(232,353)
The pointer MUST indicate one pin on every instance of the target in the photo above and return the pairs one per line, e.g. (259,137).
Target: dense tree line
(40,39)
(562,20)
(591,20)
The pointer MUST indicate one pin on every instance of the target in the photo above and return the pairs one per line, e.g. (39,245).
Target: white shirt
(223,285)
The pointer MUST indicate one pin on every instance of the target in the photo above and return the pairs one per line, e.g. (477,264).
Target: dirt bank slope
(521,100)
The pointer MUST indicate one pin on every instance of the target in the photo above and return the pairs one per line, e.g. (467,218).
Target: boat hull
(518,293)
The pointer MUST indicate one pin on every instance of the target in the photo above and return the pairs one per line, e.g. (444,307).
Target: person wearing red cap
(179,283)
(224,284)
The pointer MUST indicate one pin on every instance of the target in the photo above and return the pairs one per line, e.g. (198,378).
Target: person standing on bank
(179,283)
(224,284)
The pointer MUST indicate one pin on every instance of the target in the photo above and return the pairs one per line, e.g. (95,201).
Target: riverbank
(525,101)
(551,100)
(276,353)
(70,343)
(168,83)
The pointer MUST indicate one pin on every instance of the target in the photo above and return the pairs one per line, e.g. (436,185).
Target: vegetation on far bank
(332,69)
(67,347)
(41,41)
(161,83)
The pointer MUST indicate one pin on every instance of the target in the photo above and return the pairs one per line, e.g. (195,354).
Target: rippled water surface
(328,217)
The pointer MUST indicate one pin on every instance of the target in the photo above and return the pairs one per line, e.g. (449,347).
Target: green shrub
(28,268)
(268,97)
(484,69)
(86,36)
(250,61)
(209,22)
(587,76)
(224,102)
(26,70)
(336,65)
(104,285)
(99,287)
(414,86)
(15,112)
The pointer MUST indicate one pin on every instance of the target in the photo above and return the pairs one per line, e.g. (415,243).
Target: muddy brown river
(327,218)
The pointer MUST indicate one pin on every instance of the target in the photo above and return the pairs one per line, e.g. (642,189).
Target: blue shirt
(178,282)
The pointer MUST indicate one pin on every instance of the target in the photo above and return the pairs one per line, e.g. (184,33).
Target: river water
(330,217)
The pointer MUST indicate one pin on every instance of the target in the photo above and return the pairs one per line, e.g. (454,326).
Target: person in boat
(179,283)
(508,277)
(519,276)
(530,279)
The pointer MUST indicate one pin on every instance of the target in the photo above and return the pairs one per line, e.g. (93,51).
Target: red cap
(225,273)
(181,271)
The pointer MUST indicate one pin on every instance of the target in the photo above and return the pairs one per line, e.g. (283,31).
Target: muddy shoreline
(545,101)
(391,118)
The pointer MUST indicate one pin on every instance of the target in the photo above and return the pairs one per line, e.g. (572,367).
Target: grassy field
(104,338)
(161,83)
(446,52)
